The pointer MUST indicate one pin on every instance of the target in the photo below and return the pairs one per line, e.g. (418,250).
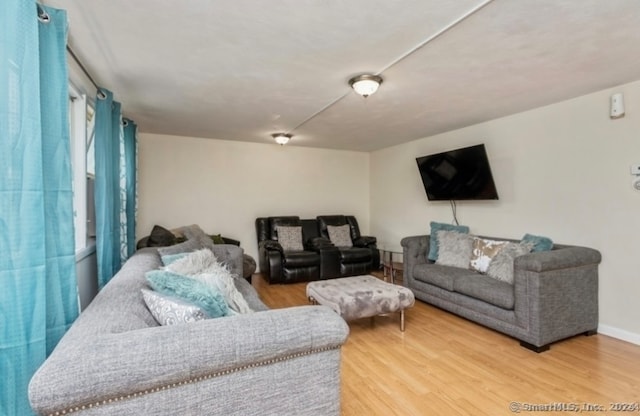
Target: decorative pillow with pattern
(168,310)
(340,235)
(455,249)
(483,252)
(501,267)
(290,237)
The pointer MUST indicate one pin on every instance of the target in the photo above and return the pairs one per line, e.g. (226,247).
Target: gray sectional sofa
(116,360)
(554,294)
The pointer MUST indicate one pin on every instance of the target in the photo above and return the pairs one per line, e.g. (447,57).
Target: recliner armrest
(271,245)
(318,243)
(364,241)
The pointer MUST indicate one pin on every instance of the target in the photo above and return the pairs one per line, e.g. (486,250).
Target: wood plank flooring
(446,365)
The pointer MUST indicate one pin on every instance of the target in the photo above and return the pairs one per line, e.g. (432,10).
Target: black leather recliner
(356,260)
(284,266)
(320,259)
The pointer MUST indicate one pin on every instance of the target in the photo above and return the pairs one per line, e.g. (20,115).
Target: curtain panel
(130,187)
(115,186)
(38,295)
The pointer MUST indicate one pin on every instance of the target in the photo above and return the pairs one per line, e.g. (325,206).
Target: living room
(562,170)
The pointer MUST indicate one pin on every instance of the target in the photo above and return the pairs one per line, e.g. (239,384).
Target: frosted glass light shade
(281,138)
(365,84)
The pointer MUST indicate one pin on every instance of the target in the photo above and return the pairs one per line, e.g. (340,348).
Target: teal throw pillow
(189,290)
(170,258)
(539,243)
(440,226)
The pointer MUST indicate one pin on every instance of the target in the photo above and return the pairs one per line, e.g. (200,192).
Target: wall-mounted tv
(460,174)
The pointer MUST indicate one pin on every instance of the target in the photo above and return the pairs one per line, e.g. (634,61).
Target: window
(81,125)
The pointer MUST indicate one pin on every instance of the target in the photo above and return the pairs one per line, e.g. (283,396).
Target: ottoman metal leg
(402,320)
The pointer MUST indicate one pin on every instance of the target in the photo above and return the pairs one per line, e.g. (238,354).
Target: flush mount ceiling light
(282,138)
(365,84)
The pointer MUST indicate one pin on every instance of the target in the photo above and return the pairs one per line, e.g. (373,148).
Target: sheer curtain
(115,186)
(38,299)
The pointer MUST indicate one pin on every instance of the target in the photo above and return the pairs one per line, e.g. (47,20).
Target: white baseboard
(618,333)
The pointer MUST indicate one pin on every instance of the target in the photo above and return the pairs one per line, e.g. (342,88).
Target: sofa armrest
(364,241)
(556,293)
(134,363)
(562,258)
(414,252)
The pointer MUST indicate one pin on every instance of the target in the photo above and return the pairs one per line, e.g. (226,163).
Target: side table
(390,267)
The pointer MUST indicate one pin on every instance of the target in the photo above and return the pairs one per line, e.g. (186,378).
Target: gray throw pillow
(340,235)
(454,249)
(290,237)
(501,266)
(187,246)
(168,310)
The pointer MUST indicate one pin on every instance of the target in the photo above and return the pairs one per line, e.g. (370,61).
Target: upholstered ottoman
(361,297)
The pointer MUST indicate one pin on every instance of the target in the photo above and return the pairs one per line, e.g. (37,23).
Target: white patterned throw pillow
(340,235)
(168,310)
(454,249)
(483,252)
(290,237)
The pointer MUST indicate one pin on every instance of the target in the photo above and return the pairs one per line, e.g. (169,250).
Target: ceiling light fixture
(365,84)
(282,138)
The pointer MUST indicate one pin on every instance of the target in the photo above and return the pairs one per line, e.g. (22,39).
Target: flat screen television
(460,174)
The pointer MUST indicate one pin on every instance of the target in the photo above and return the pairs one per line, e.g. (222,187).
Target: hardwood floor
(446,365)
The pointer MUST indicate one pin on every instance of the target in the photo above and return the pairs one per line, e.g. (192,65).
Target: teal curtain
(38,295)
(130,184)
(115,186)
(107,186)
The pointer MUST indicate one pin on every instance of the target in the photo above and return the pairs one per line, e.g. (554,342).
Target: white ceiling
(243,69)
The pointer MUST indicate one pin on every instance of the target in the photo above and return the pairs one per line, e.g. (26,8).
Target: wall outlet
(635,169)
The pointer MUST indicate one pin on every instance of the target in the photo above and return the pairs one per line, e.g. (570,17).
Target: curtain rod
(101,94)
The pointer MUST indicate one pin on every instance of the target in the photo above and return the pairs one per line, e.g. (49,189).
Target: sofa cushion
(190,290)
(438,275)
(186,246)
(168,310)
(539,243)
(455,249)
(487,289)
(437,226)
(484,250)
(340,235)
(290,237)
(501,267)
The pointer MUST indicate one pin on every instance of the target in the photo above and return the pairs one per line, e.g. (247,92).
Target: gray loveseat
(116,360)
(554,294)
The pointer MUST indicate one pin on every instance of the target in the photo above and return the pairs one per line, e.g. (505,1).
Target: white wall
(562,171)
(225,185)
